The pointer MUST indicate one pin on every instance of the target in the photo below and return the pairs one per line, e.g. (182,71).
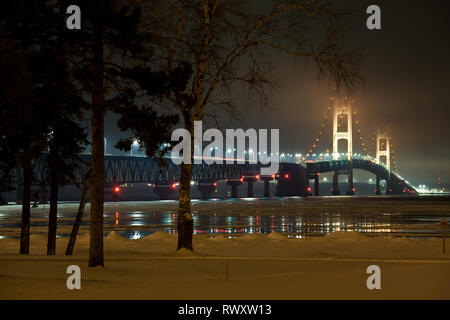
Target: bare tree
(228,43)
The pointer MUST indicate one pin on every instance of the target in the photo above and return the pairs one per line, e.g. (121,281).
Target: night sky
(407,87)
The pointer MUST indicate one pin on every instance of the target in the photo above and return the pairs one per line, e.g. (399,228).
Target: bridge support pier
(313,176)
(234,185)
(250,188)
(390,187)
(316,185)
(250,181)
(335,191)
(206,190)
(163,191)
(266,186)
(377,186)
(350,188)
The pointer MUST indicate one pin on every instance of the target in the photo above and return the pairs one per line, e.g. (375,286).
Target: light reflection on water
(298,226)
(236,217)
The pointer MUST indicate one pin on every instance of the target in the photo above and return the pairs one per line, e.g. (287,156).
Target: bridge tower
(341,111)
(383,150)
(343,134)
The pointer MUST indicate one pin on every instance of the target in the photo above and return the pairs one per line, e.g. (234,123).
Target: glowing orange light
(116,189)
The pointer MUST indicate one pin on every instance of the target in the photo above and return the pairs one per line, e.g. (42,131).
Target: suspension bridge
(293,179)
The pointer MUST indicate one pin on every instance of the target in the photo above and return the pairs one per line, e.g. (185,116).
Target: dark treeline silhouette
(41,105)
(51,75)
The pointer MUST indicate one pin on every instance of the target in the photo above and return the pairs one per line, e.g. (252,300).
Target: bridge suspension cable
(339,125)
(372,146)
(322,130)
(361,139)
(393,156)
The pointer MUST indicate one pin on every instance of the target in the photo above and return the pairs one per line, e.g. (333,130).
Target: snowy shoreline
(331,267)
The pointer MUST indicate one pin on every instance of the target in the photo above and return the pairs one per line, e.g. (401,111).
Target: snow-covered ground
(253,266)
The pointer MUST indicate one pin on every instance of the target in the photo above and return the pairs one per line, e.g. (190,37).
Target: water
(295,217)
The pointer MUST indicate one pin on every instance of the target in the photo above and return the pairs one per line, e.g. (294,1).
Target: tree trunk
(97,165)
(52,217)
(76,225)
(26,199)
(185,221)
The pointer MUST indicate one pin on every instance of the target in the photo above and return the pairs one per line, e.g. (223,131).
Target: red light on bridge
(174,185)
(116,189)
(286,176)
(257,177)
(273,176)
(215,184)
(318,173)
(353,189)
(308,189)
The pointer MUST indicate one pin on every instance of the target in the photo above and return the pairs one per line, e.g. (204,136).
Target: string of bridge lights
(372,143)
(322,130)
(361,137)
(393,156)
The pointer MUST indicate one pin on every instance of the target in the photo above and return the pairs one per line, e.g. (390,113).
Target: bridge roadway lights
(395,184)
(234,185)
(206,189)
